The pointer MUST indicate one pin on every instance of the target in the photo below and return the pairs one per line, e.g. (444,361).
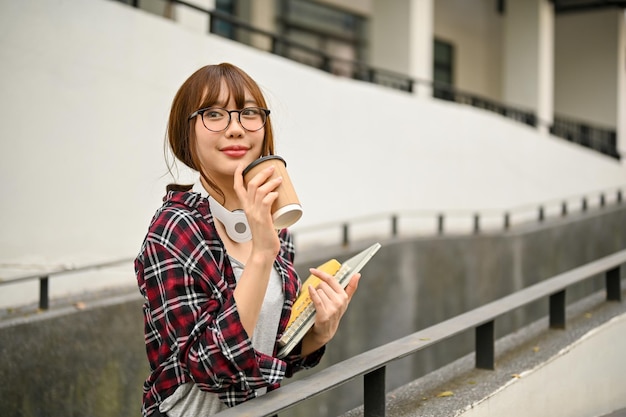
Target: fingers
(262,187)
(258,195)
(262,180)
(334,284)
(238,179)
(327,278)
(329,291)
(238,185)
(319,298)
(331,303)
(353,285)
(328,308)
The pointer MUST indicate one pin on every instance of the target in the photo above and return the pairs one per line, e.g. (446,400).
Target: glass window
(332,31)
(443,70)
(443,62)
(221,27)
(320,18)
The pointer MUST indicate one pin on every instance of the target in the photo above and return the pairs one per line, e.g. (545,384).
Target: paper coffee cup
(287,209)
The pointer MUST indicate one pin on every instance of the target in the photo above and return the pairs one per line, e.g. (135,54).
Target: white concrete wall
(572,383)
(521,54)
(389,36)
(86,88)
(587,66)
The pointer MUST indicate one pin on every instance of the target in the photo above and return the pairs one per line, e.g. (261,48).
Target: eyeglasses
(217,119)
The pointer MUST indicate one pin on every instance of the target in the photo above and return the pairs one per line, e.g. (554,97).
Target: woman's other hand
(331,302)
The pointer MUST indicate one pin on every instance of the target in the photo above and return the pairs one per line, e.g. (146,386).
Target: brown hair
(200,90)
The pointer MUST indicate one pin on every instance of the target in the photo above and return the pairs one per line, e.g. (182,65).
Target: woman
(217,297)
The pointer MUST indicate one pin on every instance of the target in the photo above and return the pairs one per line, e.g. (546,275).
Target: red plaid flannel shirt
(192,326)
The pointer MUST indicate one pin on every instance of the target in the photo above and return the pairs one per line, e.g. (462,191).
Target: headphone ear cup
(235,222)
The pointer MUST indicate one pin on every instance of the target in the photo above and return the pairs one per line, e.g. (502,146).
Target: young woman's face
(221,152)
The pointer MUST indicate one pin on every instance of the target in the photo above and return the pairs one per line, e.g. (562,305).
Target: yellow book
(304,299)
(302,315)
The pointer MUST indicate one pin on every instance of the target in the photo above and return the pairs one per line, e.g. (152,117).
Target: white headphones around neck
(235,222)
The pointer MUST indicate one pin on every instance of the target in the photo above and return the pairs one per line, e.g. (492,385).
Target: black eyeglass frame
(200,112)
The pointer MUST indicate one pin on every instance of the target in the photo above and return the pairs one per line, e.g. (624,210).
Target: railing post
(584,205)
(371,75)
(326,64)
(542,214)
(613,285)
(602,200)
(476,223)
(374,393)
(43,293)
(485,346)
(440,221)
(346,234)
(507,221)
(619,196)
(564,209)
(557,310)
(394,225)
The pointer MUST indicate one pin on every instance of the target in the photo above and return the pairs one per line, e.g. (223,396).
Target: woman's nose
(234,128)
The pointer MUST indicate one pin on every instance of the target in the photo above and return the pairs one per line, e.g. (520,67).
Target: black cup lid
(261,159)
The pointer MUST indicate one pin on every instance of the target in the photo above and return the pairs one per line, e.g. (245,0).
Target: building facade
(557,65)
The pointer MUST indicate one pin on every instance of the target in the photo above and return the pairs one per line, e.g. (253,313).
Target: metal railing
(372,364)
(600,139)
(450,93)
(558,208)
(44,277)
(565,208)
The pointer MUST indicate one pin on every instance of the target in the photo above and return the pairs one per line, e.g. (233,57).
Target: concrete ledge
(84,359)
(525,362)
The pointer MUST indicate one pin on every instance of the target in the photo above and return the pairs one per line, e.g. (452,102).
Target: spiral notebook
(303,311)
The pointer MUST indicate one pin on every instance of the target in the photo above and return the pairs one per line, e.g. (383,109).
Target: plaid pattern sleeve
(192,326)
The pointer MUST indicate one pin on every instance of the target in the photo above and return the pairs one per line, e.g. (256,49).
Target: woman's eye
(213,114)
(250,112)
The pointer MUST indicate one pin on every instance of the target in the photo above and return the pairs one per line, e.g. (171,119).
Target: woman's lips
(235,151)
